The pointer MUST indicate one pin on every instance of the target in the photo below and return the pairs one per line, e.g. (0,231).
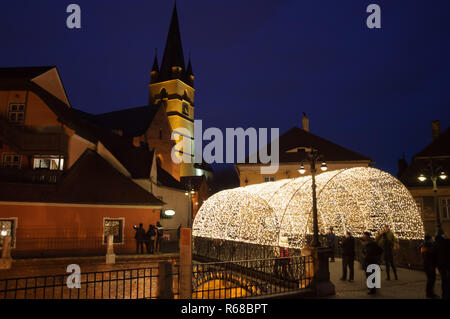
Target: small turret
(154,75)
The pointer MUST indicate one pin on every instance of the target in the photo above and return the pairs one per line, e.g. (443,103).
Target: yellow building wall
(427,210)
(177,121)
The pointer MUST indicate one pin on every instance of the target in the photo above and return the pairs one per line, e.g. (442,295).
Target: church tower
(172,84)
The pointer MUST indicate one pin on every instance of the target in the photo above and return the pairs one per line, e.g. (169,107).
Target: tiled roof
(439,147)
(137,160)
(438,153)
(293,142)
(165,179)
(91,180)
(132,122)
(27,73)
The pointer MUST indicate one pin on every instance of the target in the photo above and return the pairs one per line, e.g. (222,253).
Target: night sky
(257,63)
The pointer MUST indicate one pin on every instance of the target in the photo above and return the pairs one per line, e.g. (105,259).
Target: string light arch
(280,213)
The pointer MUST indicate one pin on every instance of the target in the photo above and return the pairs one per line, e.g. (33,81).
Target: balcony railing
(27,175)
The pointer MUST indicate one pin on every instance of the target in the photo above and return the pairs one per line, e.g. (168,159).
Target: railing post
(165,280)
(6,260)
(321,283)
(185,263)
(110,256)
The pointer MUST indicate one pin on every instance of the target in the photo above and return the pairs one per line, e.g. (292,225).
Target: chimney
(305,122)
(435,129)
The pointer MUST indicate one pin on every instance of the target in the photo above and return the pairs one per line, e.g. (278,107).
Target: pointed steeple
(190,74)
(154,75)
(155,62)
(173,65)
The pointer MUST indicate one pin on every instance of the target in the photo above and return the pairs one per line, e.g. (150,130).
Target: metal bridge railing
(116,284)
(251,278)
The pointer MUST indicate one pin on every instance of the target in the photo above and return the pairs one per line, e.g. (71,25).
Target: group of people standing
(436,254)
(371,252)
(151,238)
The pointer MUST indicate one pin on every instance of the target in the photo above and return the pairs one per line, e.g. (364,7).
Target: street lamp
(313,157)
(189,193)
(434,174)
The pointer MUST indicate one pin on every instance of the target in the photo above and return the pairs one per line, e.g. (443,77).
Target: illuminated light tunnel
(280,213)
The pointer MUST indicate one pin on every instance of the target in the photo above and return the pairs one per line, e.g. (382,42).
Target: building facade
(69,176)
(434,158)
(293,146)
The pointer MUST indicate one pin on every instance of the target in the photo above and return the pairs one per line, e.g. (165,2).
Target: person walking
(371,255)
(428,252)
(159,233)
(331,240)
(388,254)
(348,256)
(140,238)
(151,233)
(442,245)
(285,261)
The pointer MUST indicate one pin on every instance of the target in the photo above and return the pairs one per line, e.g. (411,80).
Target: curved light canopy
(357,200)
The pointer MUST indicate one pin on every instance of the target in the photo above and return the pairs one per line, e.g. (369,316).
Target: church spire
(190,74)
(155,69)
(173,65)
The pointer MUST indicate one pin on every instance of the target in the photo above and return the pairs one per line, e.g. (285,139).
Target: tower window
(16,113)
(185,109)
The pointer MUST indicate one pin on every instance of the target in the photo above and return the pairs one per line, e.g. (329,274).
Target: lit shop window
(48,162)
(12,161)
(16,113)
(113,226)
(8,228)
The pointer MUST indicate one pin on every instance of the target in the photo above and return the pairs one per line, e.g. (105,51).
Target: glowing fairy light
(356,200)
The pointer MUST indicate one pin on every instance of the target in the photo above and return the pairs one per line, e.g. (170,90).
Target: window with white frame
(269,179)
(16,112)
(8,228)
(12,161)
(445,207)
(113,226)
(50,162)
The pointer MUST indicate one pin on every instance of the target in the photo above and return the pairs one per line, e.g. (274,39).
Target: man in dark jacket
(388,254)
(442,245)
(348,256)
(428,252)
(371,253)
(331,238)
(151,234)
(140,238)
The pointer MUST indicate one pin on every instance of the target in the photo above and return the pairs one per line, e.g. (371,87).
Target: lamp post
(320,283)
(433,174)
(313,157)
(189,192)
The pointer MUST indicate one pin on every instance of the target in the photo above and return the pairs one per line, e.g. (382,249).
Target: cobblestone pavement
(410,284)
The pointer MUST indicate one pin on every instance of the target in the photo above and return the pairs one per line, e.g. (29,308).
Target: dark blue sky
(257,63)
